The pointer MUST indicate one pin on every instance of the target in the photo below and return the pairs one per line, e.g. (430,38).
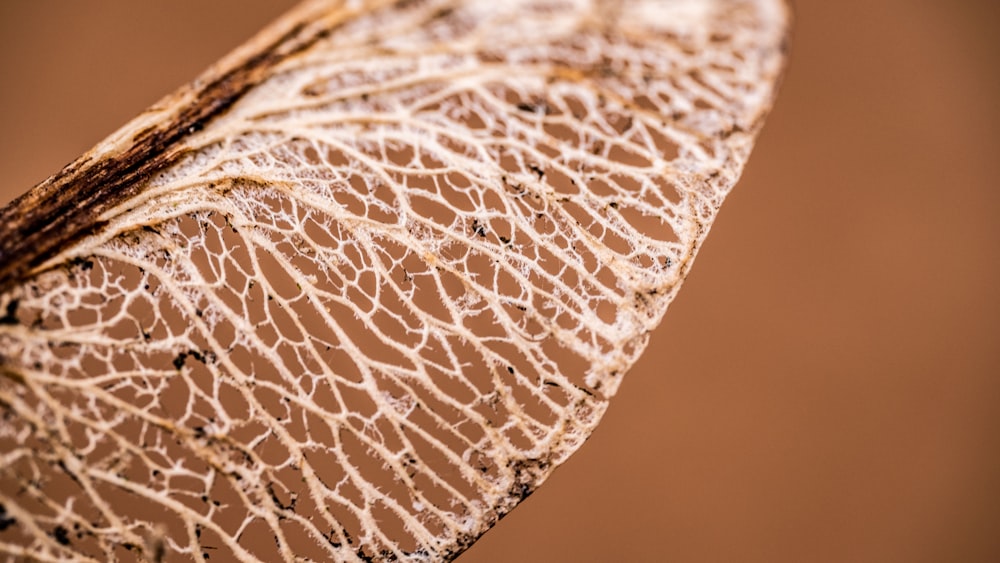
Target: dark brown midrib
(66,207)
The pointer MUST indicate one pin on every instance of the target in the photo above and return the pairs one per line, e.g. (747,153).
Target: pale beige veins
(370,306)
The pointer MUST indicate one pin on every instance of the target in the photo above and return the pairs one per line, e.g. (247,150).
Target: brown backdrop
(827,385)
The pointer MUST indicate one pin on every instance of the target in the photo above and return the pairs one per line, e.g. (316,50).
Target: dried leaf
(357,291)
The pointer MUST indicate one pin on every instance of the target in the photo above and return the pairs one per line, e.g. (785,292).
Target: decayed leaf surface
(356,292)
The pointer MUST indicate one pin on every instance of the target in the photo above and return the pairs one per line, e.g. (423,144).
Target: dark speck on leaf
(83,263)
(61,534)
(478,228)
(179,360)
(5,521)
(11,317)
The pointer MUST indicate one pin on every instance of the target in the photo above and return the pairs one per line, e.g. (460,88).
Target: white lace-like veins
(384,295)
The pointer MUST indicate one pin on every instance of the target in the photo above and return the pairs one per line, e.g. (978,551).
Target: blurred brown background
(827,385)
